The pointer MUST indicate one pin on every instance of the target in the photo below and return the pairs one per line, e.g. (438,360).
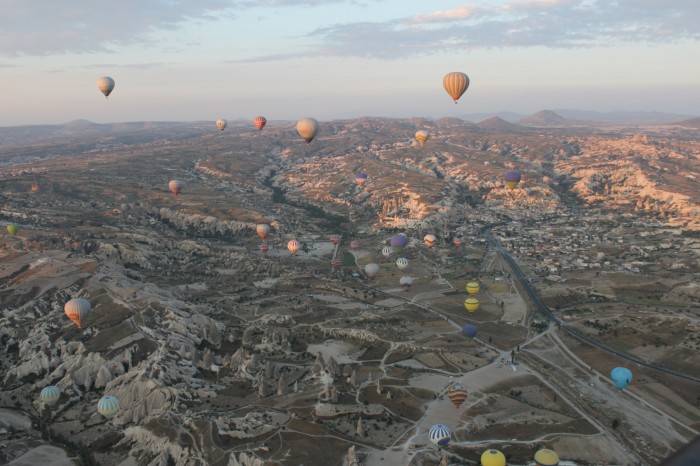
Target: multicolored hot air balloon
(546,457)
(472,288)
(471,304)
(493,458)
(13,229)
(621,377)
(354,244)
(335,238)
(108,406)
(439,435)
(77,310)
(386,251)
(175,186)
(307,129)
(457,395)
(106,85)
(50,395)
(371,270)
(456,84)
(262,229)
(293,246)
(264,248)
(402,263)
(429,240)
(361,178)
(221,124)
(469,330)
(260,122)
(512,179)
(422,136)
(457,242)
(406,282)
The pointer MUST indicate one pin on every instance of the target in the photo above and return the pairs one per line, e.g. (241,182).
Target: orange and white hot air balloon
(260,122)
(456,84)
(77,310)
(293,246)
(175,186)
(262,229)
(429,240)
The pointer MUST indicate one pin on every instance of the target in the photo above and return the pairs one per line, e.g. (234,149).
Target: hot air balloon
(260,122)
(108,406)
(469,330)
(175,186)
(397,242)
(335,238)
(106,85)
(221,124)
(402,263)
(262,229)
(546,457)
(13,229)
(621,377)
(456,84)
(307,129)
(293,246)
(335,264)
(429,240)
(386,251)
(50,395)
(354,244)
(457,395)
(471,304)
(77,310)
(371,270)
(493,458)
(361,178)
(264,248)
(406,282)
(472,288)
(439,435)
(512,179)
(457,242)
(421,137)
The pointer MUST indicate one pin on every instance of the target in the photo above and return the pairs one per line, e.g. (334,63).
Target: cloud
(521,23)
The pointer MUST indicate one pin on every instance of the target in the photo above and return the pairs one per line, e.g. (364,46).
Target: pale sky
(184,60)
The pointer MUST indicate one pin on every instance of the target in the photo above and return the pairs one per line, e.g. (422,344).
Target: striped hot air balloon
(472,288)
(457,395)
(493,458)
(293,246)
(439,435)
(471,304)
(77,310)
(546,457)
(456,84)
(260,122)
(336,263)
(387,250)
(335,238)
(264,248)
(422,136)
(108,406)
(50,395)
(402,263)
(354,244)
(429,240)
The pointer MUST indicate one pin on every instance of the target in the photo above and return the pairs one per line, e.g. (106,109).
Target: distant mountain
(544,118)
(689,123)
(449,122)
(508,116)
(497,124)
(626,117)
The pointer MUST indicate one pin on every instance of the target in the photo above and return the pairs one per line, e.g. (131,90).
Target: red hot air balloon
(264,248)
(335,238)
(262,229)
(457,242)
(260,122)
(457,395)
(354,244)
(293,246)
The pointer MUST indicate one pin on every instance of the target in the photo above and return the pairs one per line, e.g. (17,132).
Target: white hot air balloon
(77,310)
(106,85)
(307,129)
(371,270)
(221,124)
(402,263)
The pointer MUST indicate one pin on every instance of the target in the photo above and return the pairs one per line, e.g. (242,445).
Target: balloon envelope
(264,248)
(398,241)
(361,178)
(429,240)
(439,435)
(406,281)
(471,304)
(371,270)
(260,122)
(175,187)
(77,310)
(262,229)
(457,395)
(335,238)
(106,85)
(512,178)
(456,84)
(422,136)
(293,246)
(457,242)
(402,263)
(50,395)
(108,406)
(307,129)
(493,458)
(469,330)
(621,376)
(472,288)
(221,124)
(354,244)
(12,229)
(546,457)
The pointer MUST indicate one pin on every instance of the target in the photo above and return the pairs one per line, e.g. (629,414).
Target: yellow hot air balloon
(12,229)
(546,457)
(456,84)
(77,310)
(106,85)
(471,304)
(422,136)
(493,458)
(472,288)
(307,129)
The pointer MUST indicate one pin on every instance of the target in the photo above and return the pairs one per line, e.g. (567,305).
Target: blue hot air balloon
(469,330)
(621,377)
(397,242)
(439,435)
